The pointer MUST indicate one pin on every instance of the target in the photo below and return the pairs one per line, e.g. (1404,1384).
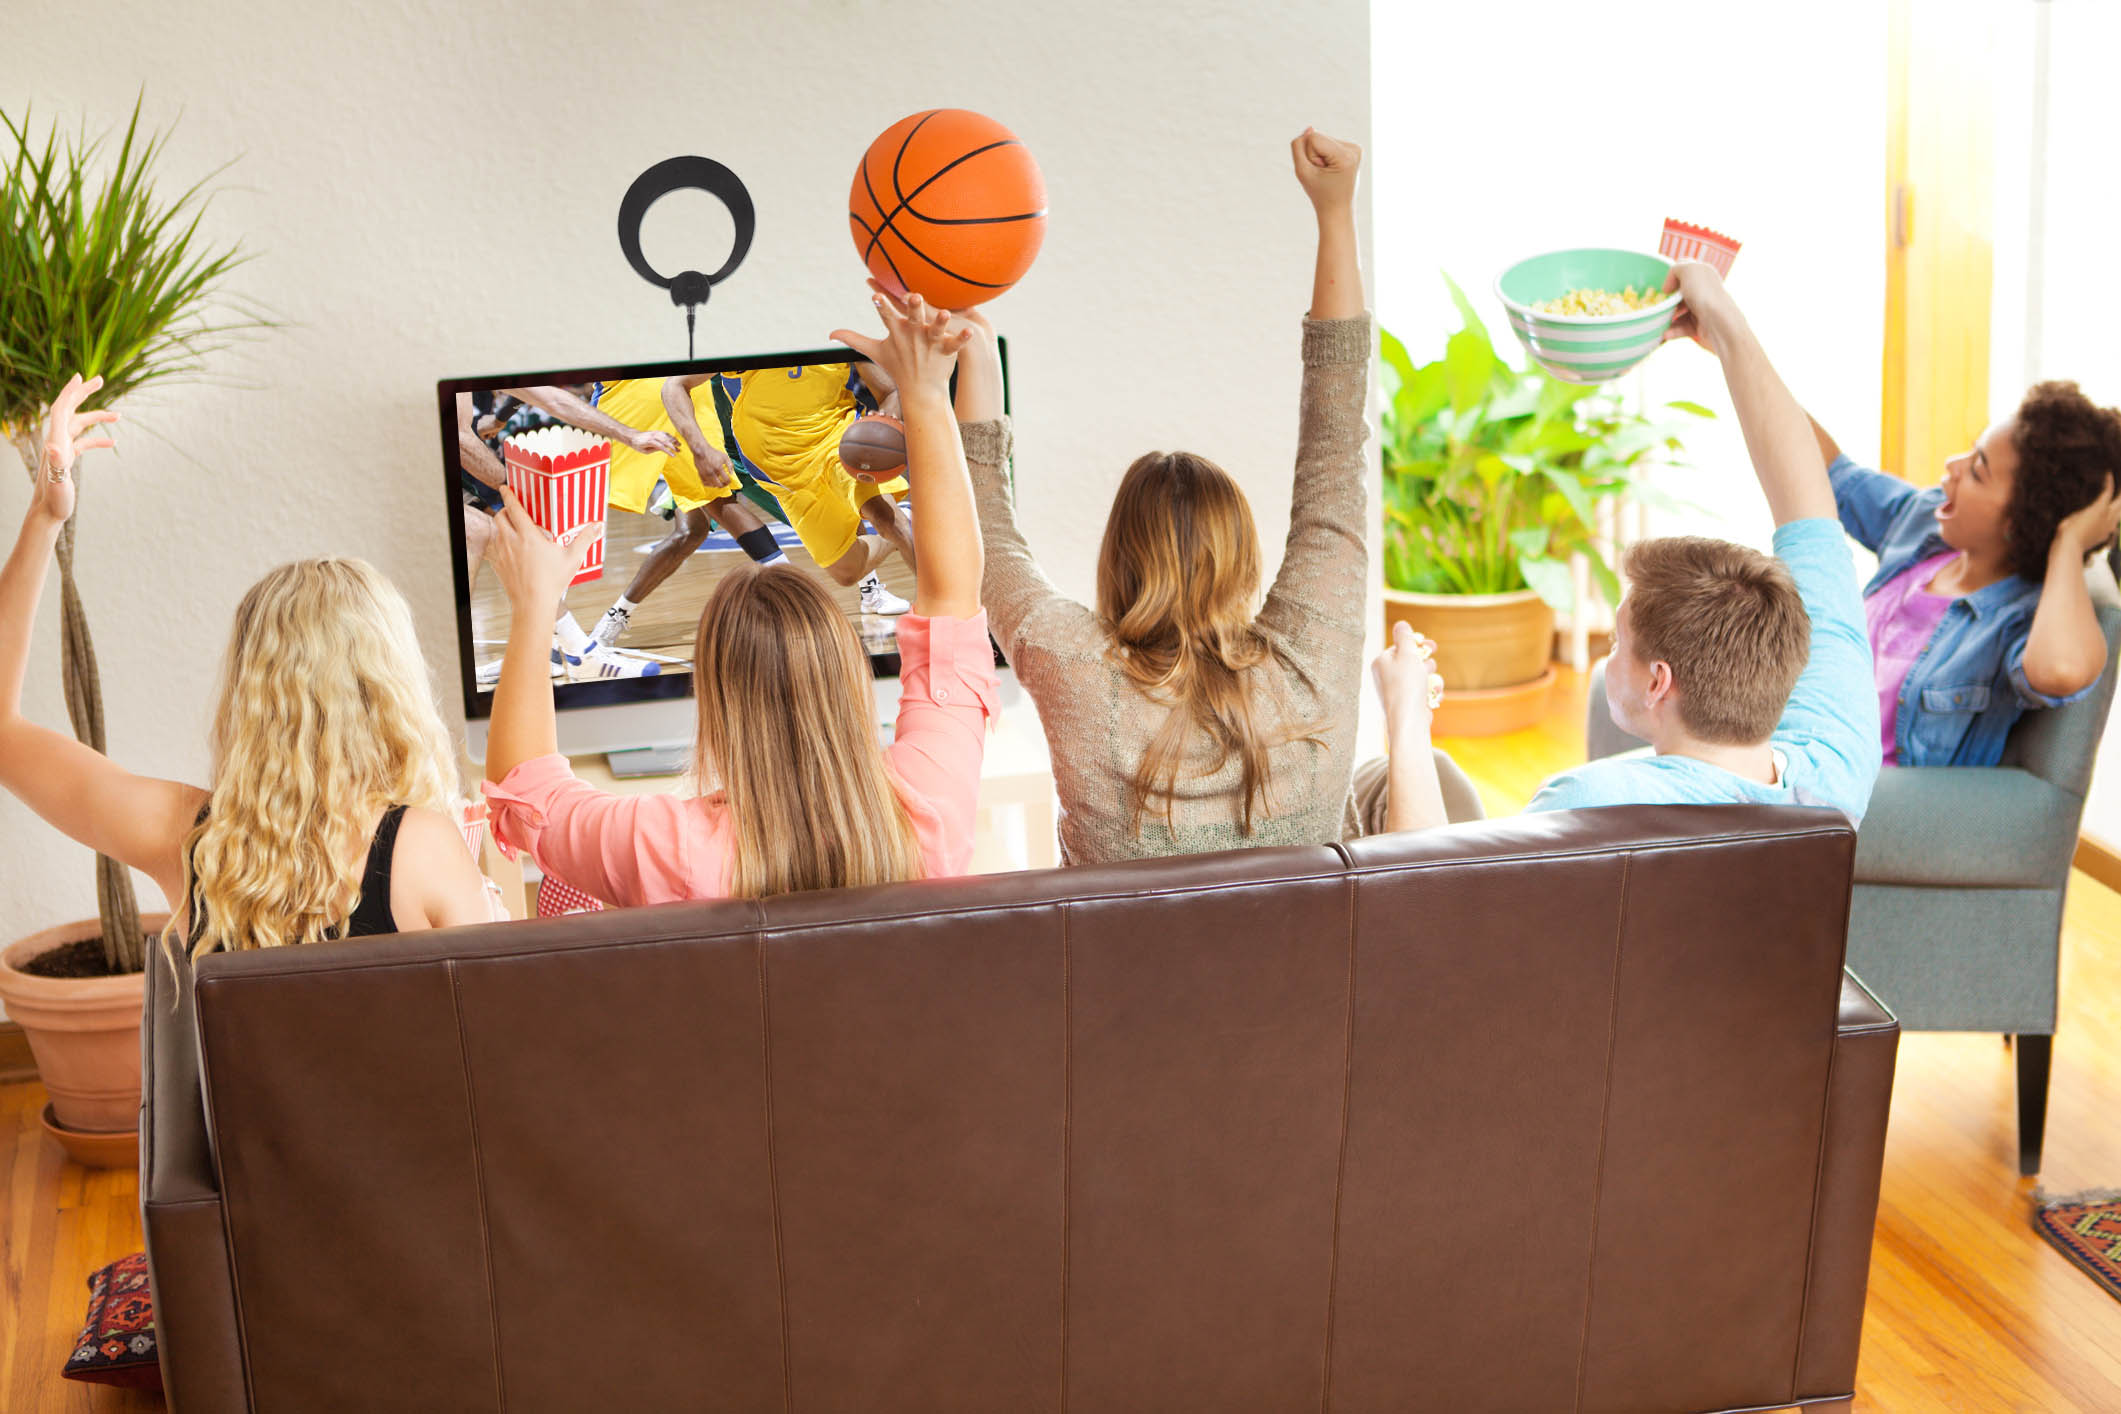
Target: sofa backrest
(1528,1114)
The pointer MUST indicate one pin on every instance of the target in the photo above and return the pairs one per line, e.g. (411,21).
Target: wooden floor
(1969,1309)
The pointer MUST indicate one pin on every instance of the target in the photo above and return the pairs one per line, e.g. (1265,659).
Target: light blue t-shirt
(1827,742)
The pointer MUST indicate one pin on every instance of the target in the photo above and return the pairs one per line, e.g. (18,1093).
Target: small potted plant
(98,273)
(1493,476)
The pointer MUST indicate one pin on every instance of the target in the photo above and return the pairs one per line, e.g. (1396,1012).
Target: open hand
(64,444)
(971,317)
(919,348)
(1326,167)
(533,567)
(1407,682)
(2090,528)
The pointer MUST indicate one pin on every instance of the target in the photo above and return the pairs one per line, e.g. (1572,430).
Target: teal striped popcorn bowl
(1583,348)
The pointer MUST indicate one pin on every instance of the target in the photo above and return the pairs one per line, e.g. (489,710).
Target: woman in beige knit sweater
(1180,719)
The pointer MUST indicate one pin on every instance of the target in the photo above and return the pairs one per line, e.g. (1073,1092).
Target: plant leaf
(1469,364)
(1551,579)
(1531,543)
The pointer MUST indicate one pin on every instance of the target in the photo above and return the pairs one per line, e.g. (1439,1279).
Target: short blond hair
(1730,624)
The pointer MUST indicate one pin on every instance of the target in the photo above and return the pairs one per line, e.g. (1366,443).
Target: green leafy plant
(1493,474)
(101,274)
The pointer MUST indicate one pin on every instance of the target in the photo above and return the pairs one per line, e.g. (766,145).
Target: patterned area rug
(2087,1227)
(117,1344)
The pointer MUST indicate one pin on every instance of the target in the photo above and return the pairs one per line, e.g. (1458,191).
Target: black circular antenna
(689,288)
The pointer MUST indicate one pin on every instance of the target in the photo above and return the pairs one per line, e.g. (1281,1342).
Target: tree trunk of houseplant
(84,1031)
(117,907)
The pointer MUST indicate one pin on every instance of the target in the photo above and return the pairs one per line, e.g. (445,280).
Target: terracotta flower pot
(1494,653)
(84,1031)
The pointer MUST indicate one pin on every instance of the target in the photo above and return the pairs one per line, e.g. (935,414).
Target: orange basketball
(948,204)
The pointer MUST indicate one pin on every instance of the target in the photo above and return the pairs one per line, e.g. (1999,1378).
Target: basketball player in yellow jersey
(789,421)
(701,480)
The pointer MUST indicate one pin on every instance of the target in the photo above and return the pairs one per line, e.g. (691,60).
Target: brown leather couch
(1573,1112)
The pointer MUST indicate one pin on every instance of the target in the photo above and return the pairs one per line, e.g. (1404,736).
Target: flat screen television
(681,472)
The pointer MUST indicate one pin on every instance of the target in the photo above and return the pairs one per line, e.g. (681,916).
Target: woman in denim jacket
(1979,610)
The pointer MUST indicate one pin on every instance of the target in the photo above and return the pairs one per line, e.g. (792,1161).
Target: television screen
(680,474)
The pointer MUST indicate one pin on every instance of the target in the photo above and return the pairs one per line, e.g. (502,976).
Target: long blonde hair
(325,717)
(787,730)
(1177,589)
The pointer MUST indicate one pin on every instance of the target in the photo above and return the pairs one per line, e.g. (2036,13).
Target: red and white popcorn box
(471,824)
(562,476)
(556,897)
(1682,241)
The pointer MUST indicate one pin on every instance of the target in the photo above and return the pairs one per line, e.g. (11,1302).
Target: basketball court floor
(665,623)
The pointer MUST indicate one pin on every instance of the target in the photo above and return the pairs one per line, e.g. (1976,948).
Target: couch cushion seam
(1340,1171)
(773,1180)
(1605,1114)
(478,1183)
(1067,1138)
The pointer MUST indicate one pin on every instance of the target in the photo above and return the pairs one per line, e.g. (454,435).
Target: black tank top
(372,914)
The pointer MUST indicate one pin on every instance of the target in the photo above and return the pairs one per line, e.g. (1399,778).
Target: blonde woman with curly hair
(333,778)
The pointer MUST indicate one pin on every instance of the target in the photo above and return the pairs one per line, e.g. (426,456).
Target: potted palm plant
(1493,476)
(101,273)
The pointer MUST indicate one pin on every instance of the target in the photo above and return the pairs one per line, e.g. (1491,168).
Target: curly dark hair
(2068,446)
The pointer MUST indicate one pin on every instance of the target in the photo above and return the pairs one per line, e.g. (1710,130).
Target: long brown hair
(787,730)
(1177,588)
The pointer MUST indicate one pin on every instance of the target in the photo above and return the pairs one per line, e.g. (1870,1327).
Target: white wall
(1749,121)
(433,192)
(2067,335)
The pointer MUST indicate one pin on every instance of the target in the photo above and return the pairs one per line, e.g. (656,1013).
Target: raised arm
(713,463)
(1326,168)
(1869,502)
(577,411)
(534,569)
(2066,649)
(1828,447)
(1316,599)
(917,353)
(1778,436)
(139,821)
(1013,588)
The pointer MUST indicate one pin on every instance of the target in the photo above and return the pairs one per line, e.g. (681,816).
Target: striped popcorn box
(471,824)
(563,478)
(556,897)
(1684,242)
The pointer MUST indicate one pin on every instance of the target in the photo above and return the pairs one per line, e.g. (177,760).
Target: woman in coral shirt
(797,792)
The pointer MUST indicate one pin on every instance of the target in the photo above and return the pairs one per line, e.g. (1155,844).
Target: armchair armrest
(176,1160)
(180,1205)
(1851,1160)
(1967,827)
